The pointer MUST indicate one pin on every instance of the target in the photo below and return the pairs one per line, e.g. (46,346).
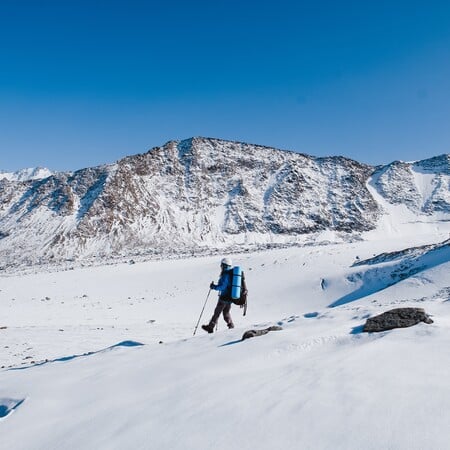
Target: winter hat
(226,262)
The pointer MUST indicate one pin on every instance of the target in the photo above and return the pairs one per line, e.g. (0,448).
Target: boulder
(252,333)
(396,318)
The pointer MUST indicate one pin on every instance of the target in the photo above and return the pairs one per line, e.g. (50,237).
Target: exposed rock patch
(396,318)
(252,333)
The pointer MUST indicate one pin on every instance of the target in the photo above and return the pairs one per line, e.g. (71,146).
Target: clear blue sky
(88,82)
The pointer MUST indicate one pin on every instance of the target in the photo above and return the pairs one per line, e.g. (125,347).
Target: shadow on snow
(378,278)
(68,358)
(8,405)
(230,343)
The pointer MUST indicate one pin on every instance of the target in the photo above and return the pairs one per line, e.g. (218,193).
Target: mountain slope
(423,187)
(35,173)
(201,195)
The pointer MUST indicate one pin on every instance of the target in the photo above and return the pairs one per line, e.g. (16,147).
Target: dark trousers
(222,308)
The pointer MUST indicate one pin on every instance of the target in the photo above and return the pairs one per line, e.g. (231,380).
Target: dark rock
(252,333)
(396,318)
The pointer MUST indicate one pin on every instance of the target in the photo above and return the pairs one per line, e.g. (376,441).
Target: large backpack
(242,300)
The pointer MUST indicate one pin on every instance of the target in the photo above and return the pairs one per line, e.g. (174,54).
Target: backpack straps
(244,293)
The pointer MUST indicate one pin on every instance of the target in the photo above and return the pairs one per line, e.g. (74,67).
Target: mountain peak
(201,195)
(438,164)
(28,174)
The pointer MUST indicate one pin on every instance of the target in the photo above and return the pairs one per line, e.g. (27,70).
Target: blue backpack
(239,292)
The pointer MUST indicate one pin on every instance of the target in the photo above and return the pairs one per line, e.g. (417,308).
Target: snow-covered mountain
(34,173)
(201,195)
(423,187)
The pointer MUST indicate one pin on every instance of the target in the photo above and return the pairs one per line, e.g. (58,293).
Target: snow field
(318,384)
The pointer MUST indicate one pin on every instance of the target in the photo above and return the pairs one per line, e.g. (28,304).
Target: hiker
(224,303)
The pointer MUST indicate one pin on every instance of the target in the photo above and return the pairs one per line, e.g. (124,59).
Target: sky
(84,83)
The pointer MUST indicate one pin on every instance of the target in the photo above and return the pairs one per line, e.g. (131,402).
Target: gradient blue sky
(88,82)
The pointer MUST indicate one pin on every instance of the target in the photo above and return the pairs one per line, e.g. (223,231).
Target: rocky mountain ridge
(32,173)
(201,195)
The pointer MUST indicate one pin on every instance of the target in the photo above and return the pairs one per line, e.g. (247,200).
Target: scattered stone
(252,333)
(396,318)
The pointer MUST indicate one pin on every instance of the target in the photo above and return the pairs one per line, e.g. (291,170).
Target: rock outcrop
(396,318)
(253,333)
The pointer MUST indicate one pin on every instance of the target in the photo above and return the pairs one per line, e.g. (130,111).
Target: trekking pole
(201,312)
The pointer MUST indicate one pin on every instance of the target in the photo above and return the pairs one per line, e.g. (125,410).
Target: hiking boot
(208,328)
(230,326)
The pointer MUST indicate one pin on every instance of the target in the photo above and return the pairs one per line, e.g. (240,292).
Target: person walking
(224,302)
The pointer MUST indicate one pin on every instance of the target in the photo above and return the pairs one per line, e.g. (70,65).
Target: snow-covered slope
(414,198)
(423,187)
(318,384)
(34,173)
(204,195)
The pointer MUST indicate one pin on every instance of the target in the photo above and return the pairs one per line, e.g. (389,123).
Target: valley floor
(104,357)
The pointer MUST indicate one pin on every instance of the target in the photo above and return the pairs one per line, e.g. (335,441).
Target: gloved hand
(212,285)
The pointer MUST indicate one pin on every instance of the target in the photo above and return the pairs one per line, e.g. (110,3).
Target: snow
(104,357)
(398,219)
(33,173)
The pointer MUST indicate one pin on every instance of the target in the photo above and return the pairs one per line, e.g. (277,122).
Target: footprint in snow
(8,405)
(288,320)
